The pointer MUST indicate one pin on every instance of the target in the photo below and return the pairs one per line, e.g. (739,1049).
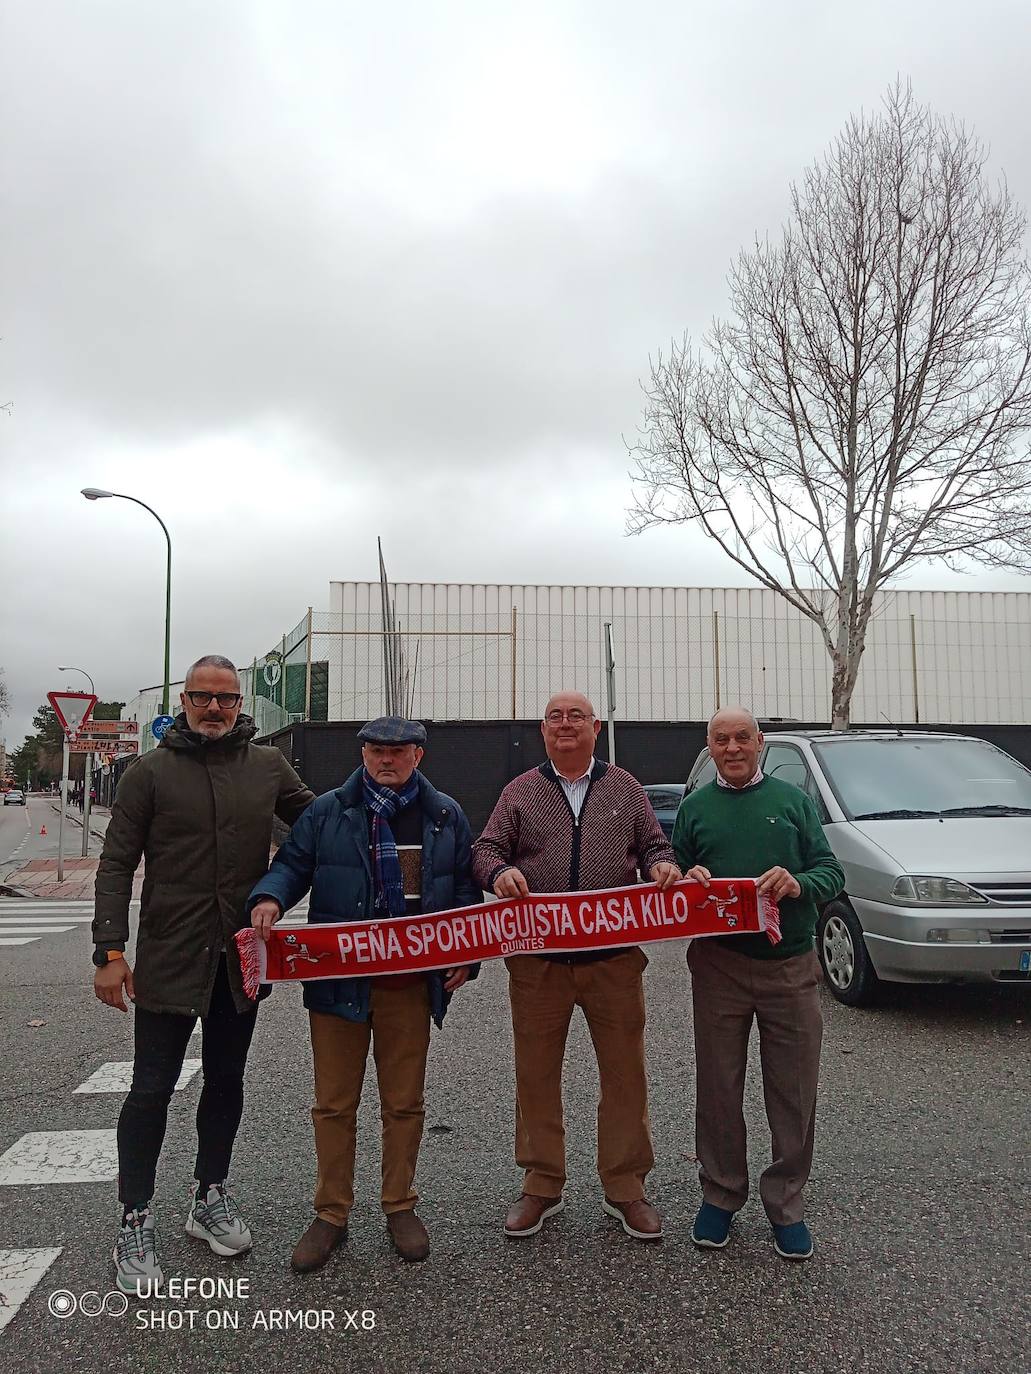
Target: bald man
(747,825)
(576,824)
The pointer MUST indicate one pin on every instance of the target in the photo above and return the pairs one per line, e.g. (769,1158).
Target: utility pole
(610,679)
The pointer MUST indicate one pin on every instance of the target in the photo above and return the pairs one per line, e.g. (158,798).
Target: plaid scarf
(384,804)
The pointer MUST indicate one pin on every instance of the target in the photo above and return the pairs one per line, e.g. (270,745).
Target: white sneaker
(217,1220)
(135,1254)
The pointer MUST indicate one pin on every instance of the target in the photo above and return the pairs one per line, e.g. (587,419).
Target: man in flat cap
(386,843)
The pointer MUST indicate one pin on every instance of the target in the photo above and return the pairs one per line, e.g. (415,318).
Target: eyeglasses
(574,717)
(224,699)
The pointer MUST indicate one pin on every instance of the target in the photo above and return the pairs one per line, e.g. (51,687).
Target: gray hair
(732,711)
(212,661)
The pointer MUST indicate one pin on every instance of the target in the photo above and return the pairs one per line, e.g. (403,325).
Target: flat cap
(393,730)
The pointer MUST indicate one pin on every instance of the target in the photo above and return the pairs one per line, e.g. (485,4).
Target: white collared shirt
(576,790)
(758,777)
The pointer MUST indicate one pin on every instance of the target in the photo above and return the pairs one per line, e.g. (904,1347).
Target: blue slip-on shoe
(793,1242)
(711,1229)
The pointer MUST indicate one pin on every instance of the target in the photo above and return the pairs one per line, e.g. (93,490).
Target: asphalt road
(21,841)
(919,1203)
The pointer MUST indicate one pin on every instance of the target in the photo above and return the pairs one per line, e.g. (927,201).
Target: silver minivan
(934,835)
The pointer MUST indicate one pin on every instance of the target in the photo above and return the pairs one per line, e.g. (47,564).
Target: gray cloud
(298,275)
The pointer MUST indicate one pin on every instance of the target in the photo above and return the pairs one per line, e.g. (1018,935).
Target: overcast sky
(302,273)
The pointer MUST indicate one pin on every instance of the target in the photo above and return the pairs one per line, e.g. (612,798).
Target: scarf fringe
(253,960)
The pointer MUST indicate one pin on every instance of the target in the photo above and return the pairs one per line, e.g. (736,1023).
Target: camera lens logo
(63,1304)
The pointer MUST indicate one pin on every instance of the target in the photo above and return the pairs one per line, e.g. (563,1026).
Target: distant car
(934,835)
(665,798)
(14,798)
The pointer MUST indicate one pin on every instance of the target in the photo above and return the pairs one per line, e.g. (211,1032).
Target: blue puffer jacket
(328,851)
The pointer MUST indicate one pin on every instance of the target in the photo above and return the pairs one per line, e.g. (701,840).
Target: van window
(930,776)
(787,763)
(705,774)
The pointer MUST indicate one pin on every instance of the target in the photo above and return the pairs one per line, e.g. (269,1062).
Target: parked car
(665,798)
(934,835)
(14,798)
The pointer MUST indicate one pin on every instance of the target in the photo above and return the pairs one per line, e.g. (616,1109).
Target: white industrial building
(486,651)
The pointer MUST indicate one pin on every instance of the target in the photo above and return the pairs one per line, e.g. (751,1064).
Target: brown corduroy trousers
(783,996)
(611,995)
(399,1032)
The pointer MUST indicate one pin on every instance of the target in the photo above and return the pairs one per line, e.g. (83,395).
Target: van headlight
(921,891)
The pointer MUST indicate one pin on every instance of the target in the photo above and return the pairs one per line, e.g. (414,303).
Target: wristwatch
(101,957)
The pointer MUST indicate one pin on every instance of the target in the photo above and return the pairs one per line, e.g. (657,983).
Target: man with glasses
(199,810)
(576,824)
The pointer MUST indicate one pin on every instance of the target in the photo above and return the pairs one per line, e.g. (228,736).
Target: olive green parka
(199,812)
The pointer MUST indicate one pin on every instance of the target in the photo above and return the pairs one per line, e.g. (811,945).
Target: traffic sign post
(73,711)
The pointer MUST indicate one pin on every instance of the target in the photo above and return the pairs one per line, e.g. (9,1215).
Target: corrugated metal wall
(939,657)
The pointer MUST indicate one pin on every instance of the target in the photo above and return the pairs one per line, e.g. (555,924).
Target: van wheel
(846,964)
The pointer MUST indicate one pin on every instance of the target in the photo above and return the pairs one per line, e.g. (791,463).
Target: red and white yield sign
(72,709)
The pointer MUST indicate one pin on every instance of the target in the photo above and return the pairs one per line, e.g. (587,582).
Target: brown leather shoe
(528,1215)
(316,1245)
(640,1219)
(408,1236)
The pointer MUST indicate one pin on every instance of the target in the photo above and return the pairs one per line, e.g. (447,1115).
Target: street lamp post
(98,494)
(87,781)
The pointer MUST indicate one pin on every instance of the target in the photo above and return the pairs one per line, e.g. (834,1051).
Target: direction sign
(95,728)
(72,709)
(104,746)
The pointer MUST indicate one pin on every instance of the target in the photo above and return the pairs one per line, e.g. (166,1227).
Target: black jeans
(161,1041)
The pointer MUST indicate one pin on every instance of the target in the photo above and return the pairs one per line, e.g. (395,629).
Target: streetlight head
(95,493)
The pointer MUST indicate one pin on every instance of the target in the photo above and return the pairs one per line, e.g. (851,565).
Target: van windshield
(903,778)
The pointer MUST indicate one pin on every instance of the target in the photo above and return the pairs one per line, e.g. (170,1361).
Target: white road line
(116,1077)
(20,1271)
(4,941)
(61,1157)
(27,920)
(22,929)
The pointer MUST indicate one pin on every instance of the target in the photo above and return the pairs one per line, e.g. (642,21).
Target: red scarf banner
(544,923)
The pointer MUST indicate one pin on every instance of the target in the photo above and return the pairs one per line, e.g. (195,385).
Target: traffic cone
(42,830)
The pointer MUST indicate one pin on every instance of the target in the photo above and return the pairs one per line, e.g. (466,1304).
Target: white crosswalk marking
(116,1077)
(24,920)
(20,1271)
(60,1157)
(36,929)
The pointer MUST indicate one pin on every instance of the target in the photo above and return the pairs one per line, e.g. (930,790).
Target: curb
(100,834)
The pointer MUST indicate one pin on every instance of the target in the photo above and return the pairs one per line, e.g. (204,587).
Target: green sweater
(741,832)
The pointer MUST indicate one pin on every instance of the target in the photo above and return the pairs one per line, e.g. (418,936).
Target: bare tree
(5,696)
(866,404)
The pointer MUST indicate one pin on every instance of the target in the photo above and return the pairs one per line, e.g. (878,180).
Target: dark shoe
(639,1218)
(408,1236)
(528,1215)
(711,1229)
(316,1245)
(793,1242)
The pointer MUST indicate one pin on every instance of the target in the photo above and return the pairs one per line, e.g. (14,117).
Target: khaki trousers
(611,994)
(398,1029)
(783,995)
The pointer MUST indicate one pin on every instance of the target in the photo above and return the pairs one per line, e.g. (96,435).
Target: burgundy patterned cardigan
(532,828)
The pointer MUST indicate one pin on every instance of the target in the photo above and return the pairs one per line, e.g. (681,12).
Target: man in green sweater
(746,825)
